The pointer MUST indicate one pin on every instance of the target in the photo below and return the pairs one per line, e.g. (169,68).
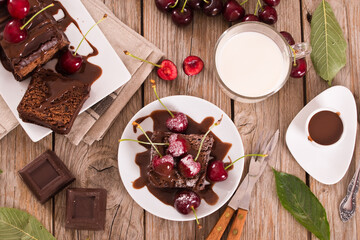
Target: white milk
(251,64)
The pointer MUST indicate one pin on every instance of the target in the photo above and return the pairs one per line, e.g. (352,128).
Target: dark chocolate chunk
(46,176)
(86,208)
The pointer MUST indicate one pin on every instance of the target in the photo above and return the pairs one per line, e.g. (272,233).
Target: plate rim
(191,218)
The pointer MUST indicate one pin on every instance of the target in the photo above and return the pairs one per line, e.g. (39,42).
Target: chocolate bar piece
(176,180)
(85,208)
(53,100)
(44,39)
(46,176)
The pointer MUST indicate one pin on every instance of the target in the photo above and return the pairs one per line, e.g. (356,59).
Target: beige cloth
(92,125)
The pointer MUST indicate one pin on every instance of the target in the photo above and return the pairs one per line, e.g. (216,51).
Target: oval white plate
(328,164)
(197,109)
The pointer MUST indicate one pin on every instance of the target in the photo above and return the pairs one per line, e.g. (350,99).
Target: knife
(240,202)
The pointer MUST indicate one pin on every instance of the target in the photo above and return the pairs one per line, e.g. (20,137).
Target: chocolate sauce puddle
(167,195)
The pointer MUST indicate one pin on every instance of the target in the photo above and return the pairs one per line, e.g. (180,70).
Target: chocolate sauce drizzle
(88,73)
(219,151)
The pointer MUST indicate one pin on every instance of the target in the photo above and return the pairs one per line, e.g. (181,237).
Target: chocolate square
(86,208)
(46,176)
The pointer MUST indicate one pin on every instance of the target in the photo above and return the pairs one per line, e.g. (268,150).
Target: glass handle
(300,50)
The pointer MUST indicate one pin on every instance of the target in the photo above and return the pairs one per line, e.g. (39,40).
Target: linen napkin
(91,125)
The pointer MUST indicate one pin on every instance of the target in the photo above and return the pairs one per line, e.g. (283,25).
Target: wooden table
(96,165)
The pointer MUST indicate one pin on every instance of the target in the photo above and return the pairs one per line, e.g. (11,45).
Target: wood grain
(256,121)
(17,150)
(348,16)
(237,225)
(96,166)
(221,225)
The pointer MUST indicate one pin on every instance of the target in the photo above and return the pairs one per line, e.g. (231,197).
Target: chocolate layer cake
(176,180)
(44,39)
(53,101)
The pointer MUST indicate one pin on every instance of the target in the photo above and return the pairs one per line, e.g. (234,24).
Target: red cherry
(272,3)
(250,18)
(167,71)
(212,8)
(163,165)
(178,123)
(177,145)
(188,167)
(182,17)
(216,171)
(193,65)
(70,63)
(194,4)
(268,15)
(299,70)
(18,8)
(233,11)
(288,37)
(165,5)
(13,33)
(185,200)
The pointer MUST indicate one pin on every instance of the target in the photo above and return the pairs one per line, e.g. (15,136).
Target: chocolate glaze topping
(40,30)
(167,195)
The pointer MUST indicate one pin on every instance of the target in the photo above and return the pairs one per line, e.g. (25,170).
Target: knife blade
(242,196)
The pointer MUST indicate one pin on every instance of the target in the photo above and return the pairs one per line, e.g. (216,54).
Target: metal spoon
(348,204)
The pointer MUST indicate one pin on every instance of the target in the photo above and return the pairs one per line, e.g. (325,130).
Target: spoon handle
(348,204)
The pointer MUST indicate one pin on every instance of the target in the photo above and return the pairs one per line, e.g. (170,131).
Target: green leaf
(327,42)
(17,224)
(297,198)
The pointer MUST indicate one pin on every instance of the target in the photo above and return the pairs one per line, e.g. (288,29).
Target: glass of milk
(254,61)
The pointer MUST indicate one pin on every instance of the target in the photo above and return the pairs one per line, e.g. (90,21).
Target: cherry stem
(256,8)
(207,2)
(174,4)
(197,220)
(48,6)
(259,3)
(102,19)
(294,52)
(182,10)
(244,2)
(249,155)
(138,126)
(143,60)
(153,85)
(142,142)
(203,139)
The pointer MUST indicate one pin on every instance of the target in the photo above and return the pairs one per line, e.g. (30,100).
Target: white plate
(327,164)
(197,109)
(114,73)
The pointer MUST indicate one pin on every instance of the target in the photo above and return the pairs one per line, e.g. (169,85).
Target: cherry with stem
(178,122)
(70,62)
(166,70)
(15,32)
(182,17)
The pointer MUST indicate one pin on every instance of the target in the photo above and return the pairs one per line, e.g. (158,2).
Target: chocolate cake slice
(44,39)
(176,180)
(53,100)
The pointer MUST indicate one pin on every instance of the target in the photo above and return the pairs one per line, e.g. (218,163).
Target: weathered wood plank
(267,219)
(199,39)
(96,166)
(16,151)
(348,15)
